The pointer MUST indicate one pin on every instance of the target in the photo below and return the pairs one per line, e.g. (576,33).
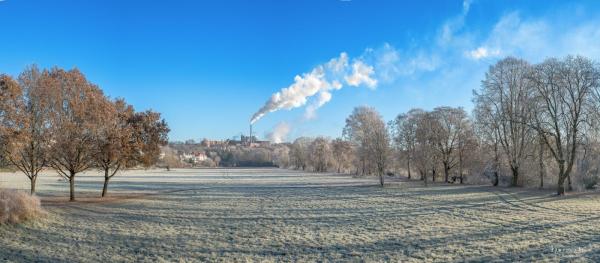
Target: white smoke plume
(311,110)
(321,80)
(279,133)
(361,73)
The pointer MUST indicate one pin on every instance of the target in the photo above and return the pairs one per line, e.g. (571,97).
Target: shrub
(16,207)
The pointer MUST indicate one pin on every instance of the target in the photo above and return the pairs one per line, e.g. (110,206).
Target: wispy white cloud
(466,6)
(537,38)
(513,34)
(482,52)
(449,30)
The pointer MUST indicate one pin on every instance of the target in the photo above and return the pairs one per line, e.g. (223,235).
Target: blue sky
(208,66)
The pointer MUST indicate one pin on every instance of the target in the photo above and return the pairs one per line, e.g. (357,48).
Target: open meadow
(240,215)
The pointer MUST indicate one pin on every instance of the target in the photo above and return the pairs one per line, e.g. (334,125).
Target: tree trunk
(569,185)
(515,174)
(106,178)
(496,179)
(381,171)
(362,172)
(541,175)
(408,166)
(33,180)
(460,172)
(541,180)
(105,188)
(460,166)
(433,175)
(541,160)
(561,183)
(446,171)
(496,165)
(72,187)
(561,178)
(363,167)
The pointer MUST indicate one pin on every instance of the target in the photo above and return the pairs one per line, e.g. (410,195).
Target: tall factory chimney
(250,138)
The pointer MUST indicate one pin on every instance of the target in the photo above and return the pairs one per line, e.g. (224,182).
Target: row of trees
(422,140)
(364,148)
(554,105)
(540,117)
(56,118)
(317,154)
(443,137)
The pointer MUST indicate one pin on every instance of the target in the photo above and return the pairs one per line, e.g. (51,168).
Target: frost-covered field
(238,215)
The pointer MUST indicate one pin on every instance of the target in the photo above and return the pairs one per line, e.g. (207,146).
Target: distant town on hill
(241,150)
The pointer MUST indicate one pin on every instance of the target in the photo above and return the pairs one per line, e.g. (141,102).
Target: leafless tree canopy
(367,131)
(551,103)
(564,105)
(404,131)
(506,95)
(320,154)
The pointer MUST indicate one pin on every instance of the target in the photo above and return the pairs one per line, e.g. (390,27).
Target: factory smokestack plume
(279,133)
(321,81)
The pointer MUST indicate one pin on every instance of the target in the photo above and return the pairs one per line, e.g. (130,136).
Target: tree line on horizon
(531,122)
(56,118)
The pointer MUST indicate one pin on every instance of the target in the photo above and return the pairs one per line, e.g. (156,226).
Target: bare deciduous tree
(487,131)
(466,148)
(300,152)
(366,129)
(342,154)
(563,90)
(405,126)
(320,154)
(506,94)
(448,128)
(425,153)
